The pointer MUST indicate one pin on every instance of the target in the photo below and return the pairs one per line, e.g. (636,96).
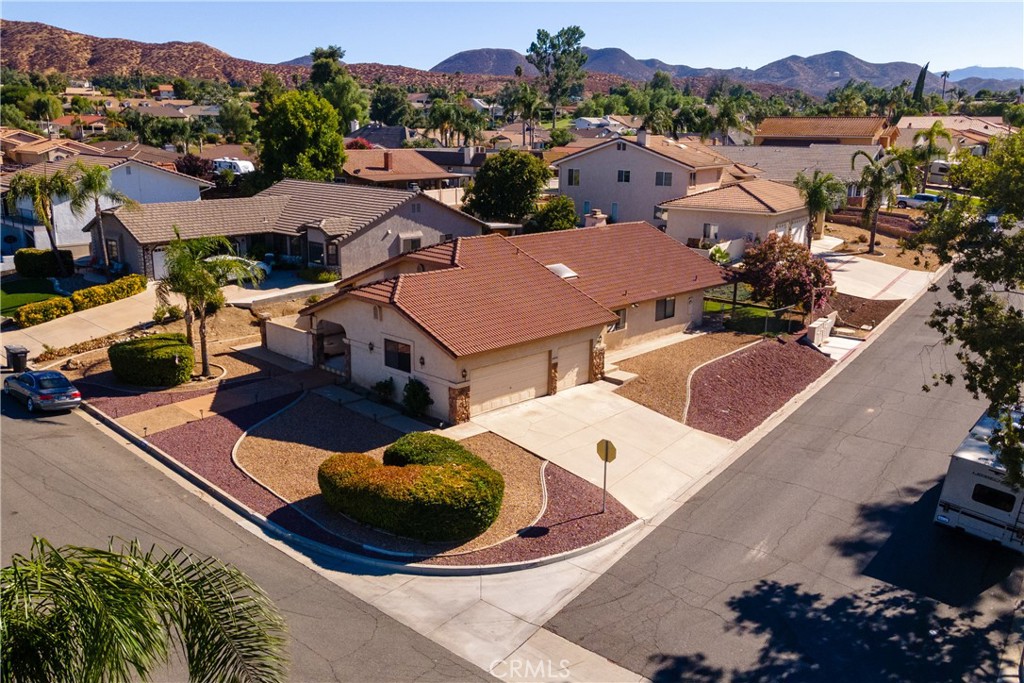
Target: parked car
(43,390)
(917,201)
(258,265)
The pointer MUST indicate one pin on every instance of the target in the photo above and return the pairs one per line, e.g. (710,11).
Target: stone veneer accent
(458,404)
(553,377)
(596,362)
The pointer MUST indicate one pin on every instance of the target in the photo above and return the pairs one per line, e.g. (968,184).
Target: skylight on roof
(563,271)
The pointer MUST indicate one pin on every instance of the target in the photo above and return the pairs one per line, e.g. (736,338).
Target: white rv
(233,164)
(975,496)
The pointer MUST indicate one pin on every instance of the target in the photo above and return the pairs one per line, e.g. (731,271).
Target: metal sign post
(605,451)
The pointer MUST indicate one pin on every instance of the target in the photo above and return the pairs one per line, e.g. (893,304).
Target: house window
(665,308)
(397,355)
(411,244)
(113,250)
(621,146)
(316,253)
(615,212)
(619,324)
(416,208)
(586,207)
(127,170)
(663,179)
(693,179)
(710,231)
(994,498)
(378,313)
(447,237)
(332,254)
(623,176)
(573,178)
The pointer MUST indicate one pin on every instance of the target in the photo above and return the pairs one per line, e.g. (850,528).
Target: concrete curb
(314,547)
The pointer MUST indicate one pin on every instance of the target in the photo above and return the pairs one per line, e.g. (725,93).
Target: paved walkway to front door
(657,457)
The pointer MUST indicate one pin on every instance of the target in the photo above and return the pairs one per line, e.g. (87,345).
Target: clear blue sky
(950,35)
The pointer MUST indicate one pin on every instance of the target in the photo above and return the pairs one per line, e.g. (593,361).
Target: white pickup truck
(917,201)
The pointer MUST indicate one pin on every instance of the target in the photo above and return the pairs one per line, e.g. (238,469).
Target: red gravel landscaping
(118,403)
(733,395)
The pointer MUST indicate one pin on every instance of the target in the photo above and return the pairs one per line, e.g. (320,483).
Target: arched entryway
(331,348)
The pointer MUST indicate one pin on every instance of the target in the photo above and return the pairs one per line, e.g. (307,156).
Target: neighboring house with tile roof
(22,147)
(135,150)
(490,321)
(736,215)
(81,125)
(141,181)
(399,169)
(783,164)
(966,132)
(800,131)
(379,135)
(629,178)
(345,228)
(463,161)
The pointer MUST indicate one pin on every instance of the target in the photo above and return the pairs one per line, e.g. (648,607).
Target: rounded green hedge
(42,262)
(430,488)
(159,360)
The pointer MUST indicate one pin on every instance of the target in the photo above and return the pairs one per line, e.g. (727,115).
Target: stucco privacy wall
(285,336)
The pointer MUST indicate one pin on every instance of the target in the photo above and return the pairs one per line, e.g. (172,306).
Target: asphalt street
(72,484)
(814,557)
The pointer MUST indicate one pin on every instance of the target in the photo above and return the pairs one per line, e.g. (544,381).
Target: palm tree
(879,179)
(197,278)
(86,614)
(944,75)
(692,119)
(530,104)
(821,192)
(658,121)
(93,185)
(926,145)
(728,114)
(41,190)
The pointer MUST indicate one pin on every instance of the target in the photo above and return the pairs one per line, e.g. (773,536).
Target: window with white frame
(411,243)
(572,177)
(621,146)
(665,308)
(623,176)
(693,179)
(663,179)
(710,231)
(332,253)
(619,324)
(416,207)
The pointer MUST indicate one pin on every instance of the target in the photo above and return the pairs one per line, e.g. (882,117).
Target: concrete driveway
(869,279)
(657,458)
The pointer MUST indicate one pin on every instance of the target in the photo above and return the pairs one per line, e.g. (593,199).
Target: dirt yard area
(661,375)
(888,249)
(857,312)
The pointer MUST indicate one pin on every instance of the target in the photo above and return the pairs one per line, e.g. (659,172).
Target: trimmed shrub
(159,360)
(168,313)
(42,311)
(322,275)
(122,288)
(41,262)
(430,488)
(416,397)
(384,390)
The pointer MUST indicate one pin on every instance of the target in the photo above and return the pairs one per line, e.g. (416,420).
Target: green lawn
(752,320)
(16,293)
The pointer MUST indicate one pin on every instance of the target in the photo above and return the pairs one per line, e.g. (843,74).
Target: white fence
(286,337)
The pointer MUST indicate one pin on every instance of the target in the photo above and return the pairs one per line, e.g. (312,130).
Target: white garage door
(159,267)
(573,365)
(503,384)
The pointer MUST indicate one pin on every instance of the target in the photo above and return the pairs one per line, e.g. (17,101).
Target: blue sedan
(43,390)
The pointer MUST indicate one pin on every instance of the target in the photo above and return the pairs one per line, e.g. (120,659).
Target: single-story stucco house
(490,321)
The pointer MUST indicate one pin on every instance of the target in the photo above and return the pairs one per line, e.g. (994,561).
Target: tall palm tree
(821,192)
(658,121)
(92,186)
(86,614)
(693,119)
(530,104)
(944,75)
(926,145)
(197,278)
(728,115)
(41,191)
(880,179)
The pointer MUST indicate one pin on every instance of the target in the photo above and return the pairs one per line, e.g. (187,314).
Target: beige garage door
(503,384)
(573,365)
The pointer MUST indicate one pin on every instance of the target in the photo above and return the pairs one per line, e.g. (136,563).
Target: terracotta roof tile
(821,126)
(749,196)
(623,263)
(688,152)
(406,164)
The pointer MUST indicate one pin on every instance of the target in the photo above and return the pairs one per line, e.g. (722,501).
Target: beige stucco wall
(641,325)
(684,224)
(284,336)
(638,198)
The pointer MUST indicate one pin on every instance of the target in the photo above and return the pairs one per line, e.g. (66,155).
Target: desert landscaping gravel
(855,311)
(735,394)
(661,381)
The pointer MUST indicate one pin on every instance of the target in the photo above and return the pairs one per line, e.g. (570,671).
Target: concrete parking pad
(869,279)
(656,456)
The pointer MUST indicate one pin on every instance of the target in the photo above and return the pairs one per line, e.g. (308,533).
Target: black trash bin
(17,358)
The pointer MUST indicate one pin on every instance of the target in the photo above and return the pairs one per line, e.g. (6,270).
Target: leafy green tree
(821,192)
(41,190)
(197,278)
(879,180)
(82,105)
(269,89)
(559,58)
(390,105)
(785,273)
(918,96)
(235,120)
(85,614)
(984,320)
(348,99)
(561,137)
(12,117)
(558,213)
(92,186)
(326,66)
(299,138)
(507,186)
(42,107)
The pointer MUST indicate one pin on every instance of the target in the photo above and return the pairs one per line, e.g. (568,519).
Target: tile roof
(623,263)
(135,150)
(749,196)
(384,136)
(48,167)
(686,151)
(497,296)
(38,146)
(155,223)
(313,201)
(406,164)
(782,163)
(70,119)
(821,126)
(453,157)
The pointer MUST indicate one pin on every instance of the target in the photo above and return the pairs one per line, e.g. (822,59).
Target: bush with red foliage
(195,166)
(784,273)
(358,143)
